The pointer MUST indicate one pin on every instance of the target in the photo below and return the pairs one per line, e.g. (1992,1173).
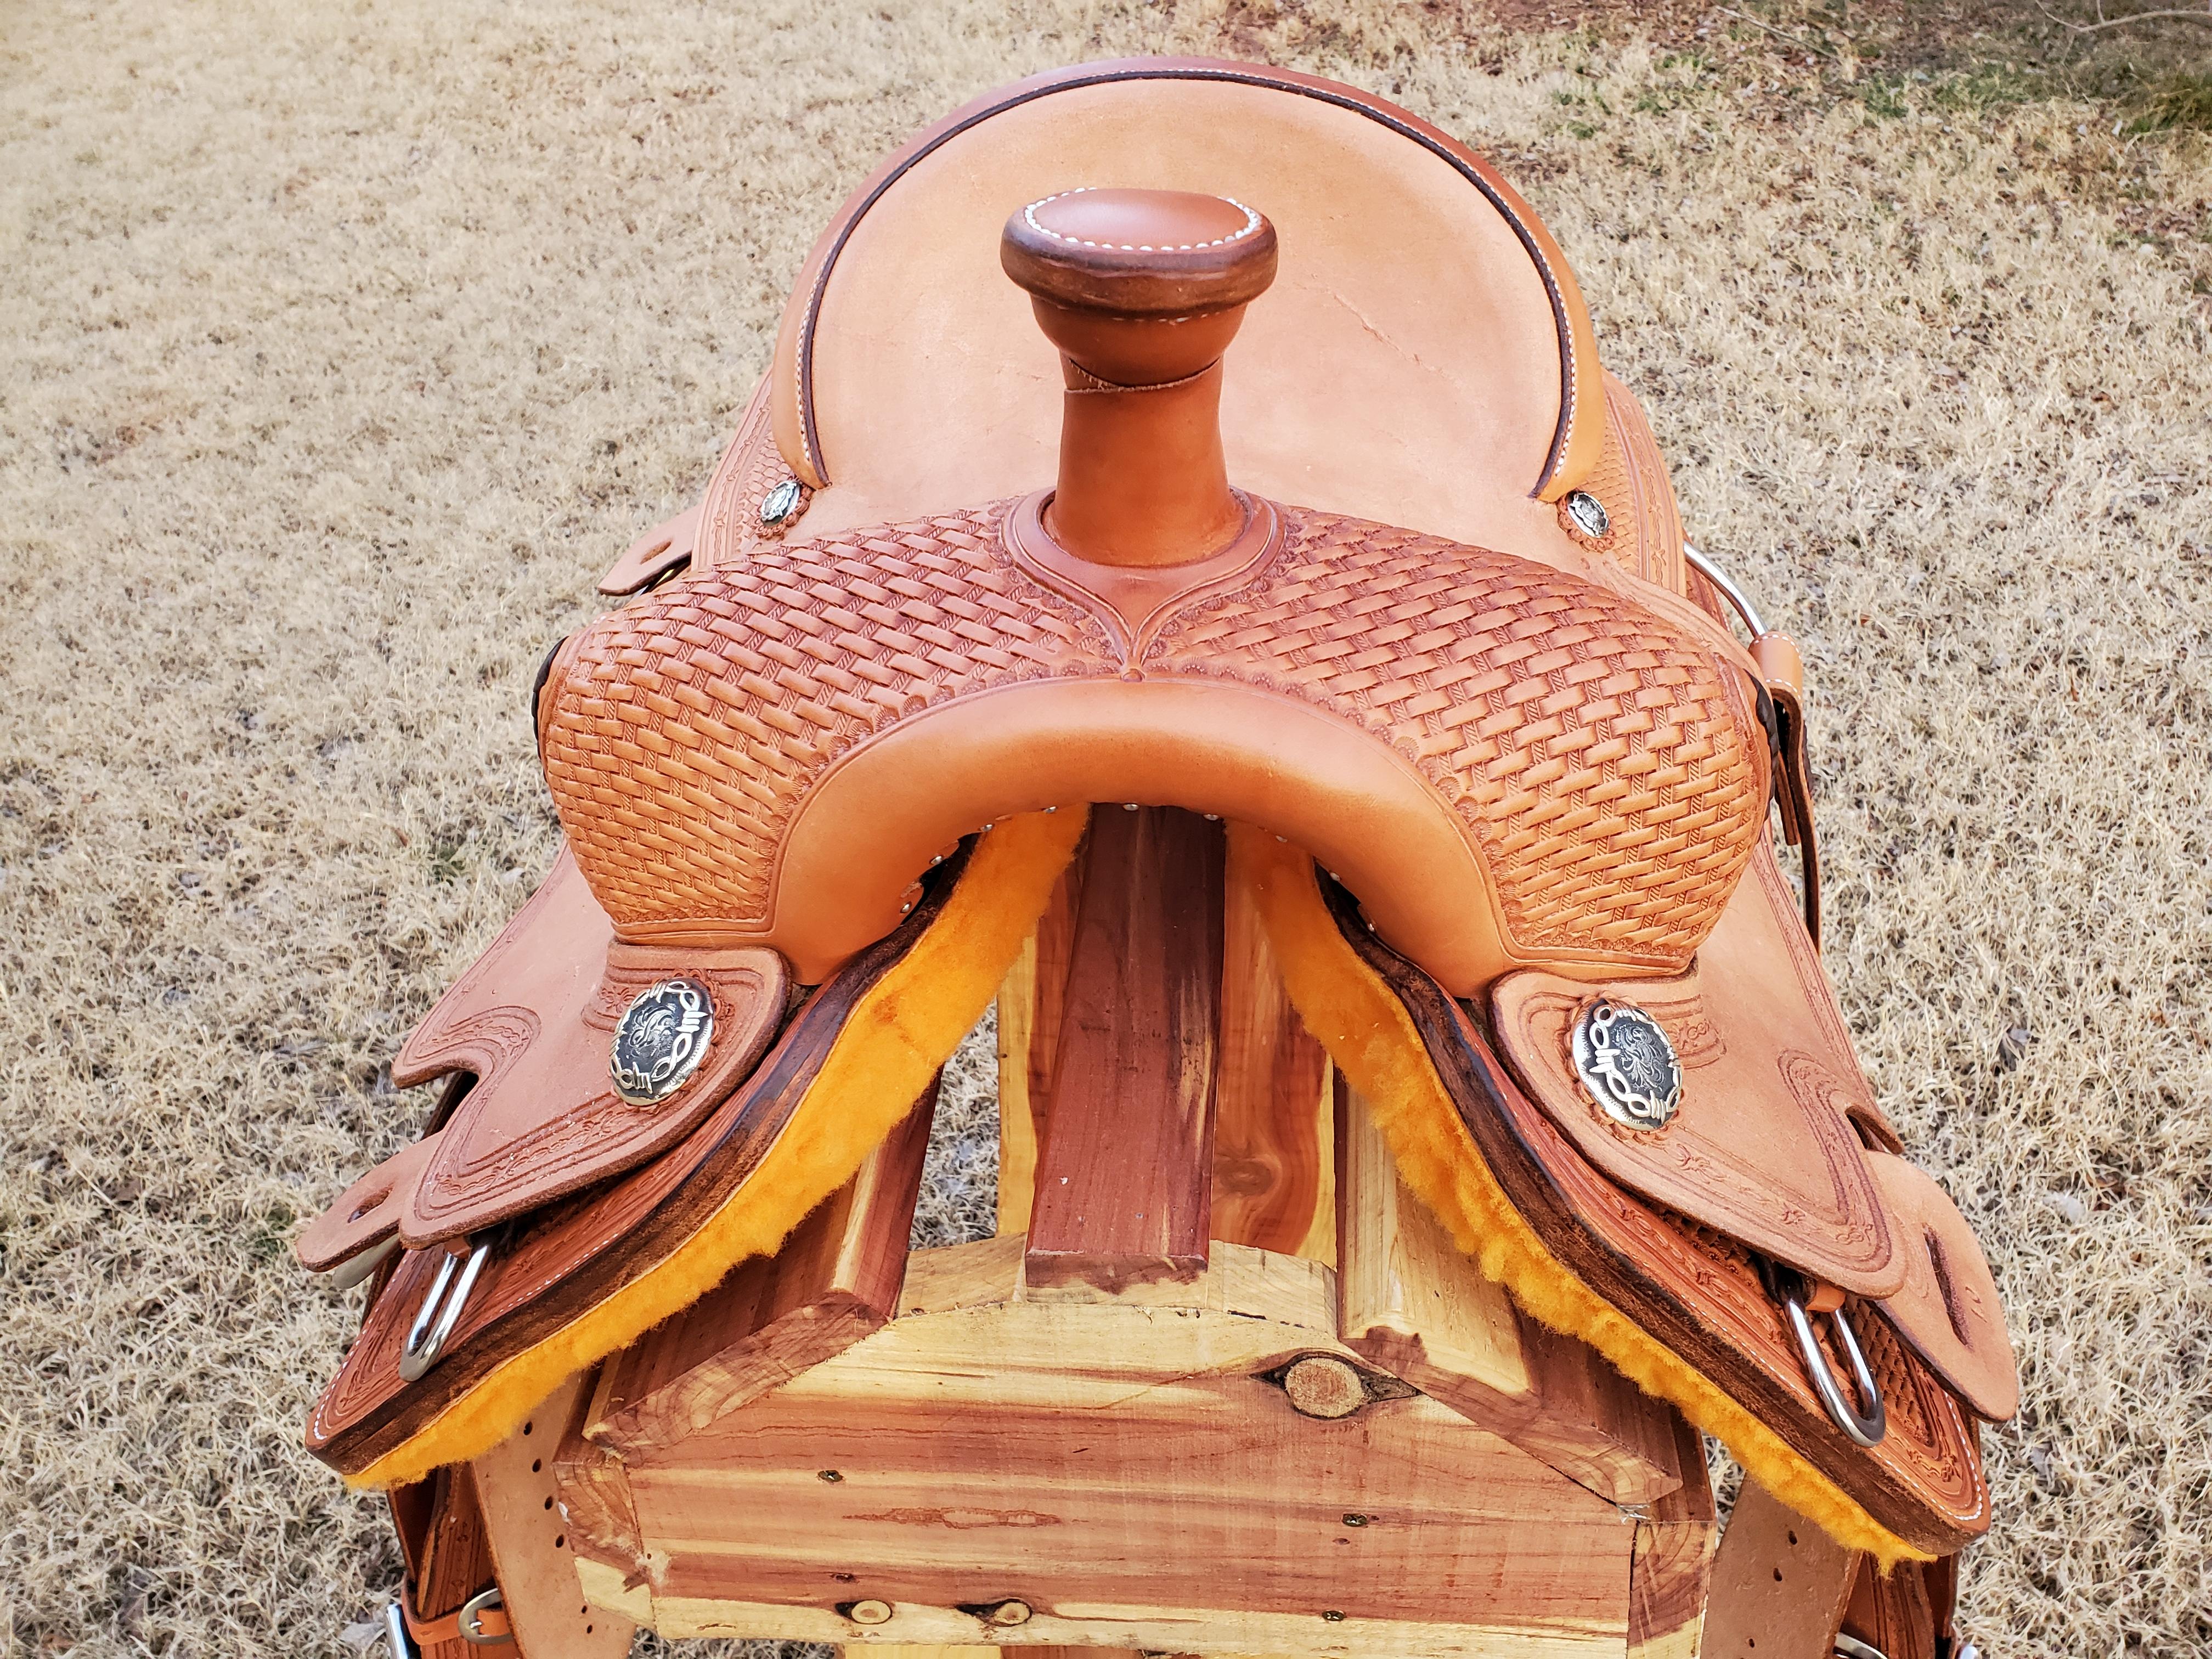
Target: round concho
(1626,1061)
(661,1039)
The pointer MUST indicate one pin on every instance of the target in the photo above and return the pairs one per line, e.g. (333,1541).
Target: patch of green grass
(1884,97)
(1986,85)
(2179,99)
(271,1237)
(446,859)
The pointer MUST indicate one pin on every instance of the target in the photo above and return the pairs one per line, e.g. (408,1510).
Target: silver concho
(660,1040)
(782,505)
(1588,514)
(1626,1061)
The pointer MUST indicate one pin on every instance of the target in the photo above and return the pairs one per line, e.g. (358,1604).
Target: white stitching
(1028,216)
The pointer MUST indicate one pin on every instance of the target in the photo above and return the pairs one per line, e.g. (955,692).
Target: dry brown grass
(340,348)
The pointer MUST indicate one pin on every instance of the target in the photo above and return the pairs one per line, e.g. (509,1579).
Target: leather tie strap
(1783,669)
(474,1622)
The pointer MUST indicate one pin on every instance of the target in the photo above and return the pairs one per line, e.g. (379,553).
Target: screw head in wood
(869,1612)
(1321,1385)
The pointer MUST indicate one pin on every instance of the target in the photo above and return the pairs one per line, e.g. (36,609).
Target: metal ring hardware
(1729,591)
(471,1618)
(395,1631)
(1849,1647)
(1861,1430)
(355,1268)
(426,1341)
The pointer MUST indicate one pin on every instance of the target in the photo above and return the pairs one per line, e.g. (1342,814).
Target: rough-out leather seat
(1031,518)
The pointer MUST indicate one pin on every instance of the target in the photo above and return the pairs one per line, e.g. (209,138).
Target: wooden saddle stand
(1422,1108)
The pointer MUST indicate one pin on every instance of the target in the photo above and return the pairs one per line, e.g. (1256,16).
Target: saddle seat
(1386,614)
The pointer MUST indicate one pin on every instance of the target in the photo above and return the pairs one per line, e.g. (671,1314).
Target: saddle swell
(1494,782)
(1510,765)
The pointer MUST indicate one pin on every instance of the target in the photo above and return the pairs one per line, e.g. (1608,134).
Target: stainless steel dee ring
(1725,588)
(439,1313)
(1861,1428)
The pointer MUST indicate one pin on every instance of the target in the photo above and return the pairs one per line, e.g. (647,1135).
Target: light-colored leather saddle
(1310,513)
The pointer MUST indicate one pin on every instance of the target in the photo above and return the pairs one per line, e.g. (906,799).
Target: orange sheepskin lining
(1368,1033)
(903,1029)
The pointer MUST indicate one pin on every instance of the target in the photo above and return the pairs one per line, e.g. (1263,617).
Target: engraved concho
(1626,1061)
(660,1040)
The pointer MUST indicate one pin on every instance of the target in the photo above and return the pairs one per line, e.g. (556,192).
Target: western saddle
(1422,1108)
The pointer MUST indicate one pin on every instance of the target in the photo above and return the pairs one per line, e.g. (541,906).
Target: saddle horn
(1142,290)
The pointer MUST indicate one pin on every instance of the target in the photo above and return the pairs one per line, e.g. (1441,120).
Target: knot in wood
(1322,1386)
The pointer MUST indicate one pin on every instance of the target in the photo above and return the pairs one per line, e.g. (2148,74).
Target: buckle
(473,1627)
(482,1622)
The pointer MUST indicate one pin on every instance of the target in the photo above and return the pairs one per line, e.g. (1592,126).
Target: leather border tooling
(1819,996)
(1696,1169)
(1535,240)
(1690,1288)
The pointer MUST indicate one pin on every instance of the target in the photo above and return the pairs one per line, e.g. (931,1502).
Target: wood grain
(1125,1469)
(591,1489)
(1273,1162)
(1030,1005)
(1124,1172)
(1671,1574)
(836,1278)
(1412,1304)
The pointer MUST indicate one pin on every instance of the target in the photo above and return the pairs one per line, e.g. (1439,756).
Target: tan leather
(534,1020)
(1895,1613)
(1508,763)
(1643,531)
(1779,1584)
(1462,379)
(446,1559)
(730,525)
(562,1261)
(1537,763)
(667,546)
(1168,257)
(1141,290)
(489,1626)
(1948,1308)
(368,1213)
(1761,1146)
